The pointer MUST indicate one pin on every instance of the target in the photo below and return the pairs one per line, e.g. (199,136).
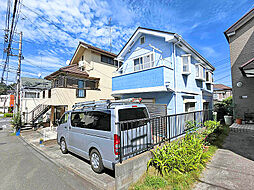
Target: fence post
(194,118)
(120,155)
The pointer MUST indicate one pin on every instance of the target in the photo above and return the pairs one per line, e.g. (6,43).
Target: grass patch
(153,179)
(13,134)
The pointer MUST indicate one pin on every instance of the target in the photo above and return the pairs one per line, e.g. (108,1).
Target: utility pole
(110,37)
(18,79)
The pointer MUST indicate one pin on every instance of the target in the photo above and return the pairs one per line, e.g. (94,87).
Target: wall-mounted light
(239,84)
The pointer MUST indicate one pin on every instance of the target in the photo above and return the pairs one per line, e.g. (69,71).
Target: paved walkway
(241,128)
(233,166)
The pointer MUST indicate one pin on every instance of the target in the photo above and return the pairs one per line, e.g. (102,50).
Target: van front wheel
(96,161)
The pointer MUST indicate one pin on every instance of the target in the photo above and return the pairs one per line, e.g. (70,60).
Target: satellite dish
(68,62)
(39,75)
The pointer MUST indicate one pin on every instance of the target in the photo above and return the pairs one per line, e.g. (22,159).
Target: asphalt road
(23,168)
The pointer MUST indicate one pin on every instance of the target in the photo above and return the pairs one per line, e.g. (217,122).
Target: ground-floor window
(205,105)
(190,106)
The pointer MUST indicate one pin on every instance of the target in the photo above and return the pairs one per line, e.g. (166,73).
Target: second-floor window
(142,40)
(144,62)
(49,93)
(209,77)
(106,59)
(200,72)
(30,95)
(186,61)
(81,93)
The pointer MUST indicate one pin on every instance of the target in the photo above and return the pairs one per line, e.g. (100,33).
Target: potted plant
(227,104)
(238,118)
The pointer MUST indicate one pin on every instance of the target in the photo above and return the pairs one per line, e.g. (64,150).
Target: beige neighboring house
(221,92)
(240,37)
(88,77)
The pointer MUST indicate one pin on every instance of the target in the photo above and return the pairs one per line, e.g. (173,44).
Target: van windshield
(132,113)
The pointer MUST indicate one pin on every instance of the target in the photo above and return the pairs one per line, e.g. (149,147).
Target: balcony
(155,79)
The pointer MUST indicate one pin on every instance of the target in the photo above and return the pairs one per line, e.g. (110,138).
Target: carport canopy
(247,68)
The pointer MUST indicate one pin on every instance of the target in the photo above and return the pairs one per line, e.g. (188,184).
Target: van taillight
(116,144)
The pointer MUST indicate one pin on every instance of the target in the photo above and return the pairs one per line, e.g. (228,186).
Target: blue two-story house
(161,67)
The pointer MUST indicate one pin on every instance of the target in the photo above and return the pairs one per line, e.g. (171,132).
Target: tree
(3,89)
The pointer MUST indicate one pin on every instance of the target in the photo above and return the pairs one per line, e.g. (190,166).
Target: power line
(49,21)
(14,21)
(223,77)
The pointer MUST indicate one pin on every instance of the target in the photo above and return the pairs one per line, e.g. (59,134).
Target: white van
(92,133)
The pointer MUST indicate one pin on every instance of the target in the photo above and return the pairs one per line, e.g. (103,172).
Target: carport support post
(52,116)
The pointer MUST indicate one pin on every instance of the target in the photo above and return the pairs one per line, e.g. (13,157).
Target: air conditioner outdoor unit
(81,64)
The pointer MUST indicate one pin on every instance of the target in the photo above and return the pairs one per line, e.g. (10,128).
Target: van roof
(108,108)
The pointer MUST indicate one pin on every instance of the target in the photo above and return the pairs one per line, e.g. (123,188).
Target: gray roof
(27,82)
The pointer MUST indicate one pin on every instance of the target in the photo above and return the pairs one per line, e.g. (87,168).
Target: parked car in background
(92,131)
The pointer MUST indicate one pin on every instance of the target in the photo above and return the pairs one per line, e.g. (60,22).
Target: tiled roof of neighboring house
(94,49)
(98,49)
(27,82)
(221,87)
(72,70)
(239,23)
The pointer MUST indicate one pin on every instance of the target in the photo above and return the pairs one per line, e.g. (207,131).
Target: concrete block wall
(129,171)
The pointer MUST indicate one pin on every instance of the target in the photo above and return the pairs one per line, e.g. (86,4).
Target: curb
(68,169)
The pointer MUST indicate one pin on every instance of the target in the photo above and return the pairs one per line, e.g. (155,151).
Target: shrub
(224,108)
(210,127)
(180,156)
(183,155)
(8,114)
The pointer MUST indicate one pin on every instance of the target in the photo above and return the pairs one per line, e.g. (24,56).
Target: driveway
(71,162)
(23,168)
(233,166)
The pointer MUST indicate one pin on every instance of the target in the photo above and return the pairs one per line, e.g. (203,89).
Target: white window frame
(201,72)
(210,77)
(141,66)
(189,64)
(143,38)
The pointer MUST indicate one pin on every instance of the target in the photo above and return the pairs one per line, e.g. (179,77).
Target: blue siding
(141,79)
(167,72)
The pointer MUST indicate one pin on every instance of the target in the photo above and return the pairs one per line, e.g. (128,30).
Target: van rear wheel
(96,161)
(63,146)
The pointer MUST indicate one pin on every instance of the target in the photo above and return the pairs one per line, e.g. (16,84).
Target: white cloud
(208,52)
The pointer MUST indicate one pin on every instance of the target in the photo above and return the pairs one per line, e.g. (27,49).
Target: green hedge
(8,114)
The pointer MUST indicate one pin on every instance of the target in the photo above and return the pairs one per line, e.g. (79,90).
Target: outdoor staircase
(36,113)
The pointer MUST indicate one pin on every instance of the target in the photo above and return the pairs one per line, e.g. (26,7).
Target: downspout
(174,52)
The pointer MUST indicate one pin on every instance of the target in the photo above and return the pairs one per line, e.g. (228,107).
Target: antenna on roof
(110,37)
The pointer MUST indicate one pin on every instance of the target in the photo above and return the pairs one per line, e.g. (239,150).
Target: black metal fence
(137,136)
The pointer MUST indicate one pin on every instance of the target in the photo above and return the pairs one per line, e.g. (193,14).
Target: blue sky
(46,47)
